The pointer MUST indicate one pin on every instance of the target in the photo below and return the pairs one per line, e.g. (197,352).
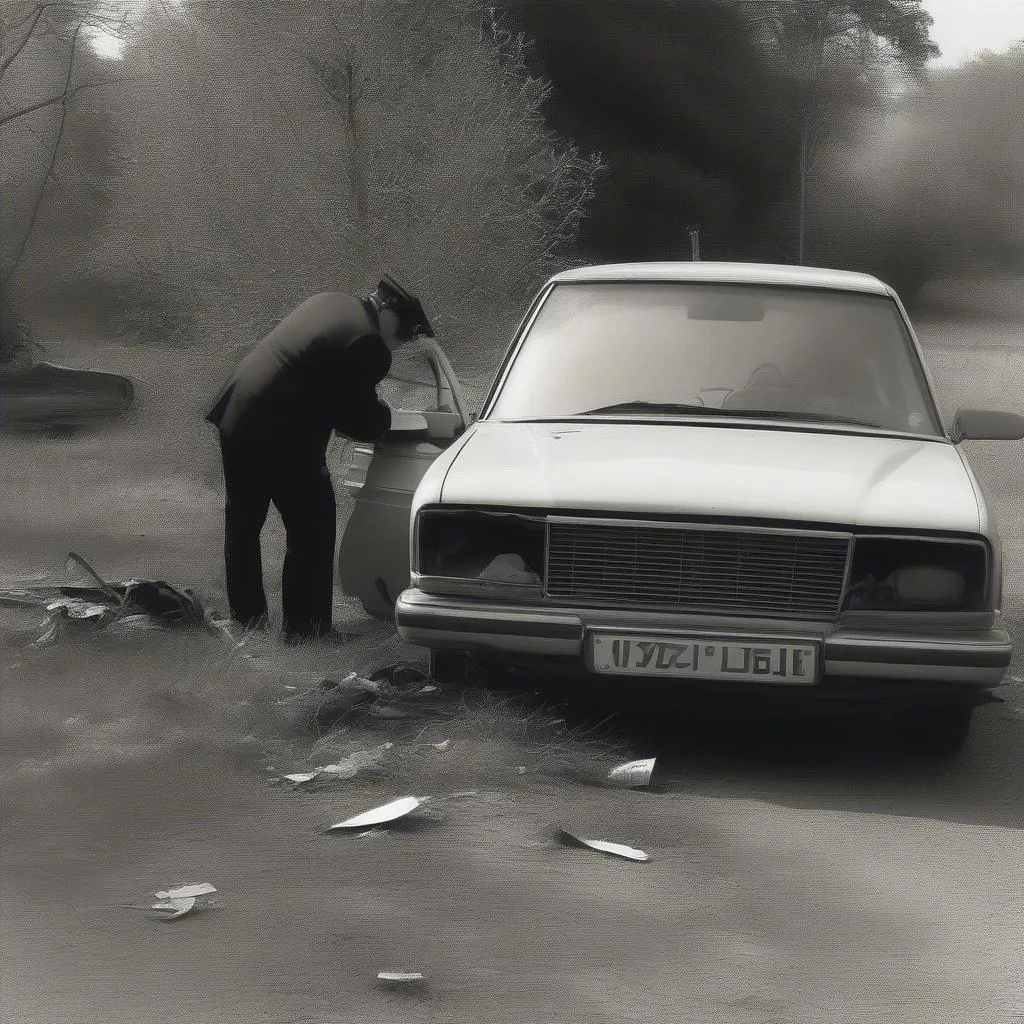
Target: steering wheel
(763,366)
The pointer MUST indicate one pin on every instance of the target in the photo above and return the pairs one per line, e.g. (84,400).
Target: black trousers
(300,489)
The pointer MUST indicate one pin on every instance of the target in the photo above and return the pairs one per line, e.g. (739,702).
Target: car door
(429,413)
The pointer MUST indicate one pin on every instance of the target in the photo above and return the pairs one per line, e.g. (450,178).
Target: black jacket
(316,371)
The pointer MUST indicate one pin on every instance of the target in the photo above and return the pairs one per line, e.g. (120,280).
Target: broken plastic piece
(177,901)
(616,849)
(79,608)
(400,977)
(509,568)
(76,561)
(633,773)
(378,815)
(186,891)
(299,777)
(176,907)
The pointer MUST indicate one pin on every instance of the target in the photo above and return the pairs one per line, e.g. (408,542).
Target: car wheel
(449,668)
(935,732)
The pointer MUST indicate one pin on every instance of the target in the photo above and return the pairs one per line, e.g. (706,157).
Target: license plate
(742,660)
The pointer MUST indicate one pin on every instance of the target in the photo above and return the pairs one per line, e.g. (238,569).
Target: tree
(688,111)
(44,69)
(839,54)
(934,190)
(328,140)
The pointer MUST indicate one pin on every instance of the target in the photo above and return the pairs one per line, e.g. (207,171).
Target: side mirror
(407,426)
(987,425)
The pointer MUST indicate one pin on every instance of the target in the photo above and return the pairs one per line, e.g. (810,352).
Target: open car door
(429,413)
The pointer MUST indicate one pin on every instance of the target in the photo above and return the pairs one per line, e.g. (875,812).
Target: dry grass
(253,703)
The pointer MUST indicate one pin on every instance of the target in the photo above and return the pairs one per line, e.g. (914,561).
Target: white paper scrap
(633,773)
(616,849)
(186,891)
(175,907)
(379,815)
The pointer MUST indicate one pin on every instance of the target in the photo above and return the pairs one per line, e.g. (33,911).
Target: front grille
(792,575)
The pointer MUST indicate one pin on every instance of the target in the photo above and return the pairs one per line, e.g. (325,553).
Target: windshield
(684,349)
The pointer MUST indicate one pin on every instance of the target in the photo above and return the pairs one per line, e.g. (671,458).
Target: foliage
(835,56)
(952,160)
(712,112)
(47,74)
(265,152)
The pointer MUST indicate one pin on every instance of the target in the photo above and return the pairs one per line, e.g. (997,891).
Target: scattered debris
(521,769)
(185,891)
(318,707)
(388,711)
(178,901)
(427,689)
(443,745)
(396,978)
(101,604)
(633,774)
(380,815)
(344,769)
(616,849)
(402,675)
(177,907)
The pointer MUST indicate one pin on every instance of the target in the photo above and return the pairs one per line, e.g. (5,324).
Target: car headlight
(929,585)
(488,554)
(918,575)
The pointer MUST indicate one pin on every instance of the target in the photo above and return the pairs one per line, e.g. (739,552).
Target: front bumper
(972,658)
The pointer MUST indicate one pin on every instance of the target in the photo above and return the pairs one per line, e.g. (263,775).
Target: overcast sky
(963,27)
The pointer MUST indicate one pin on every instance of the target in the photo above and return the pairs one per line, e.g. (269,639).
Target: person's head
(401,314)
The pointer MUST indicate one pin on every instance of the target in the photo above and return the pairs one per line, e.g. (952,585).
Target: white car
(697,479)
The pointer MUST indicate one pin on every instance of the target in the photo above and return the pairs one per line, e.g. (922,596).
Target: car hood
(690,469)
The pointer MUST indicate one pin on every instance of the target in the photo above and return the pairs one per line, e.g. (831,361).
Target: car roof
(727,273)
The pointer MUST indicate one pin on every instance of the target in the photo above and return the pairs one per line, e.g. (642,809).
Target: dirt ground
(796,874)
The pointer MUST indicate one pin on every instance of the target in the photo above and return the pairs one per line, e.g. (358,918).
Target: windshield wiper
(813,417)
(656,407)
(706,410)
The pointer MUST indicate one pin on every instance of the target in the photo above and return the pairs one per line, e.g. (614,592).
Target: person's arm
(363,416)
(356,409)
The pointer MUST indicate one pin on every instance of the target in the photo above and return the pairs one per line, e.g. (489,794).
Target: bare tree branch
(37,205)
(62,98)
(8,60)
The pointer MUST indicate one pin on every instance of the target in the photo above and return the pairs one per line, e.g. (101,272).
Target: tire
(449,668)
(935,731)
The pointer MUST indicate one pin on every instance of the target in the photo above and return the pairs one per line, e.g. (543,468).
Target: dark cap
(390,294)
